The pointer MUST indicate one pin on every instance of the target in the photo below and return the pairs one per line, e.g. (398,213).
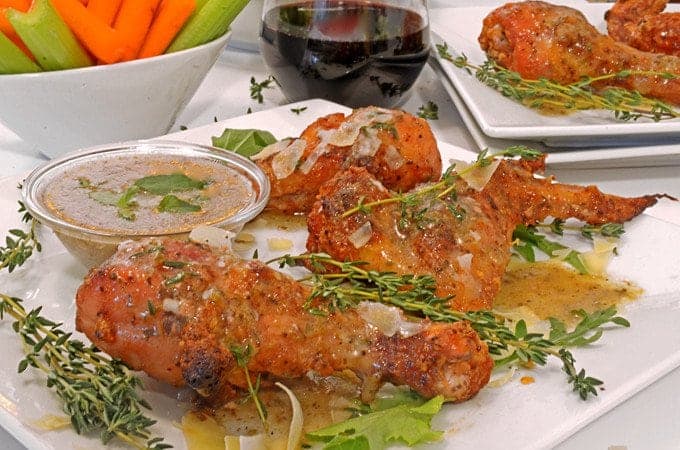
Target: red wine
(350,52)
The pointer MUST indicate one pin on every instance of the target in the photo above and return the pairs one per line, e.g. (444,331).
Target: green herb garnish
(626,105)
(349,283)
(246,142)
(378,429)
(298,110)
(99,393)
(173,204)
(429,111)
(126,204)
(256,87)
(166,184)
(242,356)
(19,244)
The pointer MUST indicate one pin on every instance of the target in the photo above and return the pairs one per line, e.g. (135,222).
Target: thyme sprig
(446,185)
(257,87)
(98,393)
(415,295)
(20,244)
(242,356)
(543,93)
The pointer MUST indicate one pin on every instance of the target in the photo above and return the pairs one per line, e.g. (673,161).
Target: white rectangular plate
(500,117)
(513,416)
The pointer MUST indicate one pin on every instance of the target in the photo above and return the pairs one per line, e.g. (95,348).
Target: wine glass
(354,52)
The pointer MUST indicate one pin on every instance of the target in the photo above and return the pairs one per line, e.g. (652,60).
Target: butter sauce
(551,289)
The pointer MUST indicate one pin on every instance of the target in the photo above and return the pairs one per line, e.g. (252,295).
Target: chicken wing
(540,40)
(643,24)
(181,311)
(462,240)
(398,148)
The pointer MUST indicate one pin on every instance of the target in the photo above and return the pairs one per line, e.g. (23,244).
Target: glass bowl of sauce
(95,199)
(354,52)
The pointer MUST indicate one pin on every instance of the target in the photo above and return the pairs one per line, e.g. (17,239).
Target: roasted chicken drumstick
(643,24)
(463,240)
(540,40)
(177,310)
(398,148)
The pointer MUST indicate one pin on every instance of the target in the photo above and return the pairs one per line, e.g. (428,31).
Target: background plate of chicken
(561,41)
(530,408)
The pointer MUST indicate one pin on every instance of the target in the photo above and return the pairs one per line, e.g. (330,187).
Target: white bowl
(56,112)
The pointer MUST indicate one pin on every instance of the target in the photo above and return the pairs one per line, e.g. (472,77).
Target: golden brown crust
(643,24)
(537,39)
(225,303)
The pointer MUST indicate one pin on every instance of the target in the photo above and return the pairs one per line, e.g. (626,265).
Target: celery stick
(13,60)
(48,37)
(207,23)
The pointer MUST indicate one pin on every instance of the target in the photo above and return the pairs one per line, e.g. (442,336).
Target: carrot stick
(106,10)
(171,16)
(133,21)
(19,5)
(98,37)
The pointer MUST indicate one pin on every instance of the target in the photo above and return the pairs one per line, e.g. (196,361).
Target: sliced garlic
(478,177)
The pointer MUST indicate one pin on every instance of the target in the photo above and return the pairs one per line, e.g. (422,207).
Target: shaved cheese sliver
(476,177)
(296,421)
(285,161)
(504,378)
(389,320)
(597,260)
(212,236)
(393,158)
(279,244)
(361,235)
(311,159)
(271,149)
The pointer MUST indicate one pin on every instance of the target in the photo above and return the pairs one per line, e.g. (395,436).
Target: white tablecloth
(649,420)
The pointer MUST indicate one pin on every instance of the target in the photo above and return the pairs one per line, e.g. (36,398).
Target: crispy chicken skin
(538,39)
(398,148)
(176,309)
(643,24)
(464,241)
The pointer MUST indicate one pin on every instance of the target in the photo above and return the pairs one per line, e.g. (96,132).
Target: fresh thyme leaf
(529,236)
(625,105)
(178,277)
(387,126)
(429,111)
(299,110)
(172,203)
(19,248)
(245,142)
(256,87)
(443,190)
(168,183)
(98,393)
(242,356)
(350,284)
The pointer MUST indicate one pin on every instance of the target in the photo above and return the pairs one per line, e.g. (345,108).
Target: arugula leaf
(245,142)
(528,237)
(165,184)
(172,203)
(375,431)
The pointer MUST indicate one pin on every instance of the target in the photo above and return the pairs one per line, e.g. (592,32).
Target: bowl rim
(31,192)
(98,68)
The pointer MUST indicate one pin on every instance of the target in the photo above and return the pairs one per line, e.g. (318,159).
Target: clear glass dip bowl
(97,198)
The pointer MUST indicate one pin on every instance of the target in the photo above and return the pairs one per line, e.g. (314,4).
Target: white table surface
(649,420)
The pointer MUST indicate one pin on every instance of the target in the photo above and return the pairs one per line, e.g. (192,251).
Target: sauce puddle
(550,289)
